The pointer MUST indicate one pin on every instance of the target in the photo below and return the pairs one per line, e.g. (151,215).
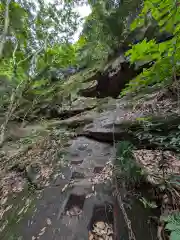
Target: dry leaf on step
(48,220)
(42,231)
(91,236)
(64,188)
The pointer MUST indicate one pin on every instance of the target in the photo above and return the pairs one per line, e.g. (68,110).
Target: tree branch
(6,25)
(13,103)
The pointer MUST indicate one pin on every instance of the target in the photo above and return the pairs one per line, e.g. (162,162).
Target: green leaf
(172,226)
(175,235)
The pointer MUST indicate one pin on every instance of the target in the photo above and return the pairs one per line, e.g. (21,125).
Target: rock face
(68,109)
(77,183)
(113,79)
(108,125)
(122,122)
(76,121)
(111,82)
(119,71)
(59,109)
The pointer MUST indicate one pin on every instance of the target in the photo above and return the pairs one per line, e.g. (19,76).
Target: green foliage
(172,225)
(107,27)
(166,55)
(39,26)
(163,132)
(147,203)
(126,165)
(60,55)
(158,137)
(38,38)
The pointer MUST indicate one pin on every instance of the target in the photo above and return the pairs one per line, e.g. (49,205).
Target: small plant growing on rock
(125,163)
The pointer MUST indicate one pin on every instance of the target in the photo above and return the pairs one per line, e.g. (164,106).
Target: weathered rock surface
(57,108)
(108,125)
(110,82)
(123,122)
(80,179)
(113,78)
(84,118)
(69,109)
(79,120)
(118,72)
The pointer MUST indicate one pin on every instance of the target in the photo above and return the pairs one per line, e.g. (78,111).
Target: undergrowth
(126,167)
(164,55)
(159,138)
(172,225)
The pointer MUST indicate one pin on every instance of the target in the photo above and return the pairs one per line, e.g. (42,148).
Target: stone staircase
(79,201)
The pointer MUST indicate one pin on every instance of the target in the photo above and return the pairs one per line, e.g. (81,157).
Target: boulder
(79,120)
(112,127)
(154,117)
(113,79)
(107,128)
(71,109)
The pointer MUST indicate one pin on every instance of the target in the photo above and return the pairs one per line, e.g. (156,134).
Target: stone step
(65,209)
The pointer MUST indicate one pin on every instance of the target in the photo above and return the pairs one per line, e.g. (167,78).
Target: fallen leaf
(64,188)
(49,222)
(3,200)
(42,231)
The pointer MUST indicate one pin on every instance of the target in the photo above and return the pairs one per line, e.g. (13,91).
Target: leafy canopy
(166,55)
(37,35)
(36,38)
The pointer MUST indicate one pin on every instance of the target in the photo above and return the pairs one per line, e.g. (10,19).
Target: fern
(173,225)
(147,203)
(166,55)
(126,164)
